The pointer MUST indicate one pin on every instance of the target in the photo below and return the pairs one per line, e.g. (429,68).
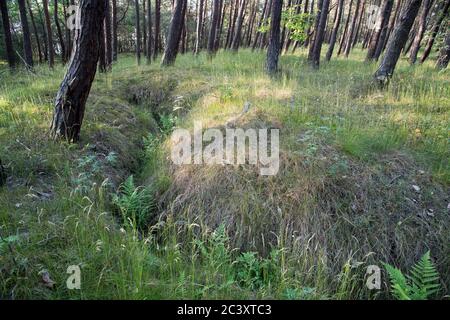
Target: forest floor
(364,179)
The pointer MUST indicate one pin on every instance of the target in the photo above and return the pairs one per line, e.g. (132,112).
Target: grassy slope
(343,198)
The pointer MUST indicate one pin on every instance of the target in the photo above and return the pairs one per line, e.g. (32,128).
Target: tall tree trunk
(333,38)
(174,35)
(314,32)
(359,23)
(44,33)
(385,37)
(58,31)
(198,39)
(237,34)
(320,32)
(382,21)
(108,36)
(114,30)
(220,25)
(426,5)
(7,32)
(48,26)
(138,33)
(261,20)
(35,30)
(398,40)
(273,51)
(352,29)
(344,34)
(71,98)
(444,53)
(68,40)
(213,29)
(28,52)
(156,47)
(150,34)
(101,49)
(144,28)
(434,31)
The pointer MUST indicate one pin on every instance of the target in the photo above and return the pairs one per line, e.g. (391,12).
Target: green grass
(343,199)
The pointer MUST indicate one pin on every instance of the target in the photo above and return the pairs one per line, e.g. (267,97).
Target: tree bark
(347,22)
(28,52)
(7,32)
(352,29)
(144,28)
(174,35)
(49,37)
(237,33)
(114,30)
(444,54)
(398,40)
(138,32)
(213,29)
(58,31)
(385,36)
(435,31)
(150,28)
(108,36)
(382,21)
(426,5)
(36,33)
(156,46)
(71,98)
(320,32)
(261,20)
(311,38)
(335,30)
(198,39)
(273,51)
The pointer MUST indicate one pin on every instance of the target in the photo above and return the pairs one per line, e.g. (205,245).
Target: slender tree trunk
(320,32)
(344,34)
(74,90)
(314,32)
(156,47)
(335,30)
(114,30)
(434,31)
(237,34)
(68,40)
(273,51)
(198,39)
(261,20)
(138,33)
(58,31)
(381,23)
(101,48)
(391,26)
(213,29)
(220,25)
(35,30)
(44,33)
(150,28)
(144,28)
(398,40)
(28,52)
(48,26)
(108,36)
(426,5)
(444,54)
(358,26)
(352,29)
(174,35)
(7,32)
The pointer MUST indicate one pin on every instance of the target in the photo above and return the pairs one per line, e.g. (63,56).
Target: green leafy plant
(135,203)
(421,284)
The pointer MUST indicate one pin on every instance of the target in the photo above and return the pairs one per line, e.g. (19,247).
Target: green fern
(421,284)
(135,203)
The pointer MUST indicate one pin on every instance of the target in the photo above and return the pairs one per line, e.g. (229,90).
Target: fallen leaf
(416,188)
